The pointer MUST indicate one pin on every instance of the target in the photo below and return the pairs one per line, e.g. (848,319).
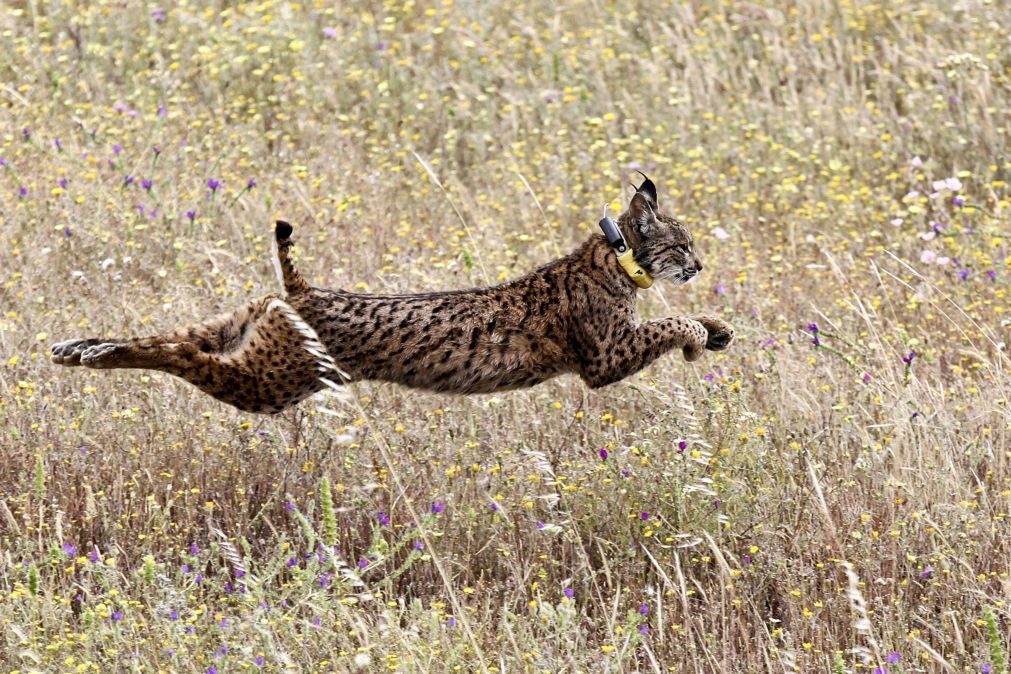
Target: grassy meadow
(831,494)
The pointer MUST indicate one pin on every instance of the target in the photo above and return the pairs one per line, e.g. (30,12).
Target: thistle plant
(328,514)
(998,653)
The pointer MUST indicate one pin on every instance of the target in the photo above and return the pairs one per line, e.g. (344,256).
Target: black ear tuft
(282,230)
(647,189)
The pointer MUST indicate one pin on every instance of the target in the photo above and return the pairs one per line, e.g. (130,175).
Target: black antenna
(612,233)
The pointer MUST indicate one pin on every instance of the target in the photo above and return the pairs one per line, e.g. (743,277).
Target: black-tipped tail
(288,275)
(282,230)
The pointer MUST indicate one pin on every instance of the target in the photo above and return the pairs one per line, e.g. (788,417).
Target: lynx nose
(698,266)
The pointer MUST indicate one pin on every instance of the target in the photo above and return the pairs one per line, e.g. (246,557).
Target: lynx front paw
(69,352)
(720,333)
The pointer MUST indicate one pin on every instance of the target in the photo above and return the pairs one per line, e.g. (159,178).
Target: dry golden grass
(783,506)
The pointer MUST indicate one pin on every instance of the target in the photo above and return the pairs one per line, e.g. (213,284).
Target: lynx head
(663,246)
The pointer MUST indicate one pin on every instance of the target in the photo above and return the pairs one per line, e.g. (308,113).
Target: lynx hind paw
(69,352)
(102,354)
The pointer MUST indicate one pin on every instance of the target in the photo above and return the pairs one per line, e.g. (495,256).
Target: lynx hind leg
(262,358)
(280,362)
(272,361)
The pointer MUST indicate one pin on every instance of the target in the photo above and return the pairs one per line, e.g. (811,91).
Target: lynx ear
(647,189)
(642,213)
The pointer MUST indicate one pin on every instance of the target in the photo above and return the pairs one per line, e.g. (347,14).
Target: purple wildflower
(438,507)
(213,184)
(643,609)
(288,505)
(908,360)
(419,546)
(158,15)
(682,445)
(330,33)
(93,556)
(494,506)
(128,180)
(569,593)
(259,661)
(892,658)
(26,134)
(867,378)
(116,149)
(643,629)
(22,191)
(603,454)
(59,145)
(147,184)
(958,201)
(117,616)
(362,563)
(292,562)
(251,184)
(721,289)
(191,215)
(927,572)
(813,329)
(644,516)
(383,519)
(452,621)
(69,548)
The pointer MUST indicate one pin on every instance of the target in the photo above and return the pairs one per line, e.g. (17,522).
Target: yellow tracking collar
(635,272)
(626,258)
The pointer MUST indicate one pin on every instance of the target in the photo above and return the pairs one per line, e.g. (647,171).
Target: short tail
(286,273)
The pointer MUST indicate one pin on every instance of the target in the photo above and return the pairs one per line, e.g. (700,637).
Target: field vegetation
(831,494)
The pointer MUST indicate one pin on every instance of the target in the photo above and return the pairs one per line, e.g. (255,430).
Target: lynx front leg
(638,346)
(261,358)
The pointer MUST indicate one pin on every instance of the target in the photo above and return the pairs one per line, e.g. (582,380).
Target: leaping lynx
(575,314)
